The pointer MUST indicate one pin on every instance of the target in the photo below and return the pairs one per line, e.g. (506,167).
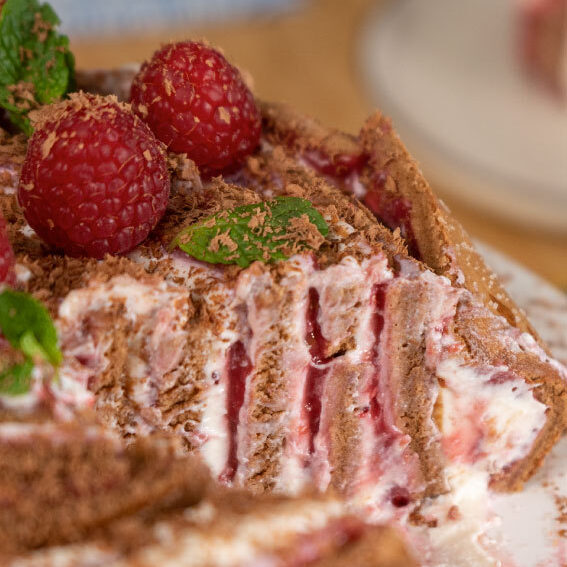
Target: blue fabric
(107,17)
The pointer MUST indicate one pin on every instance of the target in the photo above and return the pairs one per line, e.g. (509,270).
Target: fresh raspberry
(7,261)
(196,102)
(95,179)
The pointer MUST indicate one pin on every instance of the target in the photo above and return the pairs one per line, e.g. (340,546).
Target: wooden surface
(307,57)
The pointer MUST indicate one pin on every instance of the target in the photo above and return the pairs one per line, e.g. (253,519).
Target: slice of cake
(72,494)
(225,532)
(232,530)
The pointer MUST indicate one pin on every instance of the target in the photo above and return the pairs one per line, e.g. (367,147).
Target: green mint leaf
(266,231)
(27,326)
(36,66)
(16,379)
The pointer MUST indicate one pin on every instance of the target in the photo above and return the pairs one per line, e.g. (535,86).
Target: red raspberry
(95,179)
(7,261)
(196,102)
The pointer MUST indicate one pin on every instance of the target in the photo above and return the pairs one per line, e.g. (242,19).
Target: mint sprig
(267,231)
(36,66)
(27,326)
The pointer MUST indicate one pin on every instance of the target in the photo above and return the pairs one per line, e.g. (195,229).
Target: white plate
(446,72)
(531,527)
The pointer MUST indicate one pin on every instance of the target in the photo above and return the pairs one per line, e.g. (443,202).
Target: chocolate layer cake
(383,363)
(72,494)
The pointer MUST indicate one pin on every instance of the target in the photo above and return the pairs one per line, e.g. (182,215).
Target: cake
(543,43)
(309,318)
(73,494)
(273,373)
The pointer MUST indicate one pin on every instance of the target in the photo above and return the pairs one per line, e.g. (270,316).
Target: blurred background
(491,137)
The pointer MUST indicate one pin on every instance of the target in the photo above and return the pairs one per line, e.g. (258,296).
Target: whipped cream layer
(483,418)
(254,540)
(286,534)
(126,336)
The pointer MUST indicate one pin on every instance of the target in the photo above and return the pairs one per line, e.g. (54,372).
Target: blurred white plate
(446,72)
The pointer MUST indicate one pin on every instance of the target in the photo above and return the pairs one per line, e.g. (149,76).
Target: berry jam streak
(316,375)
(380,412)
(239,366)
(393,211)
(380,426)
(312,547)
(344,169)
(338,166)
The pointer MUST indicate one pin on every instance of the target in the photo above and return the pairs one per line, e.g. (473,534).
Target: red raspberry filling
(196,102)
(95,179)
(7,261)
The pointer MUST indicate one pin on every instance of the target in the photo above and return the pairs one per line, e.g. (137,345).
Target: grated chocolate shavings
(223,239)
(41,28)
